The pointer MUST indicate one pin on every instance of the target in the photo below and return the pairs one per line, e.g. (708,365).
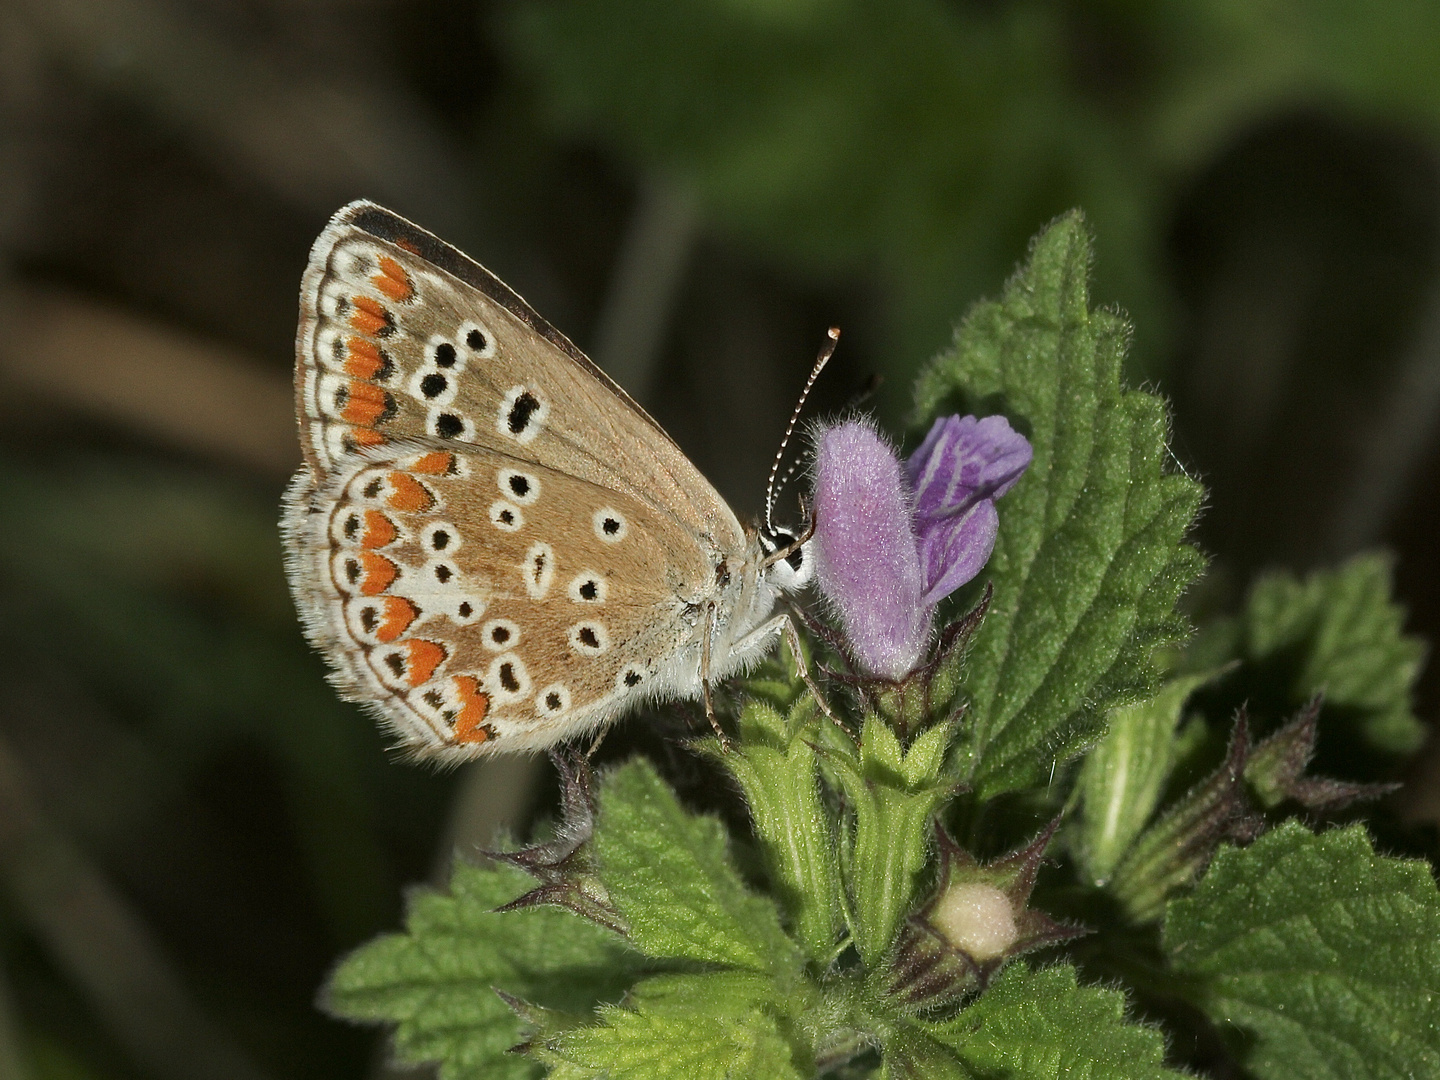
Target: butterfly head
(789,562)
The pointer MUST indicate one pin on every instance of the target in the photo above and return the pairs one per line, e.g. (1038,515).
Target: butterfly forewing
(490,541)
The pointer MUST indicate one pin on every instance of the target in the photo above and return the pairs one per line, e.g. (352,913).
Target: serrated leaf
(1122,779)
(1090,557)
(1327,953)
(1342,634)
(912,1055)
(669,874)
(1042,1025)
(436,980)
(701,1027)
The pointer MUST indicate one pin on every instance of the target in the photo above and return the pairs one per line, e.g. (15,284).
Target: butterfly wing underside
(490,541)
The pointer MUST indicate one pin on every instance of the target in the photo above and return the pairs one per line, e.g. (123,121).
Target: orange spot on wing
(365,403)
(399,613)
(470,726)
(408,494)
(393,281)
(435,464)
(380,573)
(425,657)
(379,530)
(370,316)
(364,436)
(363,359)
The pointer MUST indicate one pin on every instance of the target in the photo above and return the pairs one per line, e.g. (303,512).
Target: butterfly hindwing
(491,542)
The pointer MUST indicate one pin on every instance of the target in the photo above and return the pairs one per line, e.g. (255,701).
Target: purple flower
(893,540)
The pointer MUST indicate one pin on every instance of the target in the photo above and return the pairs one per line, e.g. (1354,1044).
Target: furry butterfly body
(491,543)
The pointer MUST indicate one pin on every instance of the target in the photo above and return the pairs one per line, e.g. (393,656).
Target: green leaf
(1090,557)
(894,794)
(1042,1025)
(777,769)
(912,1055)
(1122,778)
(1326,952)
(436,980)
(670,876)
(702,1027)
(1339,632)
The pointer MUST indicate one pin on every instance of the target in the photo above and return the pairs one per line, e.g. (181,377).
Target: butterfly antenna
(827,350)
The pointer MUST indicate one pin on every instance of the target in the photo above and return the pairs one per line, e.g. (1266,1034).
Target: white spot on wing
(588,587)
(507,680)
(610,525)
(538,570)
(440,536)
(522,414)
(553,700)
(509,634)
(589,638)
(519,486)
(506,516)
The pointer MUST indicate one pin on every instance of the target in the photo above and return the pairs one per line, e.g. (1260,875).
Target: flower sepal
(977,921)
(928,694)
(565,865)
(893,792)
(1276,770)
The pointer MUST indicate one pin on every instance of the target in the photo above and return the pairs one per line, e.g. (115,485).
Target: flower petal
(954,549)
(964,459)
(866,559)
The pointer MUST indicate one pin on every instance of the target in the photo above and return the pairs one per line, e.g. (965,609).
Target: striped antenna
(827,350)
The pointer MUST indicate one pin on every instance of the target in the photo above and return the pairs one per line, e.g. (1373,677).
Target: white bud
(976,918)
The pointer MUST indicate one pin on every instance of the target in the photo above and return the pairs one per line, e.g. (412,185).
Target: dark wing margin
(391,227)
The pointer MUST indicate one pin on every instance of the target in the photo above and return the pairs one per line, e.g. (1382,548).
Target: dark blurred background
(192,828)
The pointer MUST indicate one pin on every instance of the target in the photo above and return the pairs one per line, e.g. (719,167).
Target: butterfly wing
(490,541)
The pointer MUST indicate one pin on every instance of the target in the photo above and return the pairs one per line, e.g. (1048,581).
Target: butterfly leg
(710,620)
(782,624)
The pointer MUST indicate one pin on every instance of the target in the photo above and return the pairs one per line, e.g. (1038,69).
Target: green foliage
(1042,1025)
(1340,633)
(436,981)
(669,875)
(776,767)
(925,139)
(894,793)
(1090,557)
(1325,952)
(710,1027)
(1122,779)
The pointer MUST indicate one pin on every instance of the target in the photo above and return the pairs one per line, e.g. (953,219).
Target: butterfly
(494,547)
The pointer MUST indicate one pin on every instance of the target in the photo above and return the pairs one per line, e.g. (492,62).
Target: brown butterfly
(492,544)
